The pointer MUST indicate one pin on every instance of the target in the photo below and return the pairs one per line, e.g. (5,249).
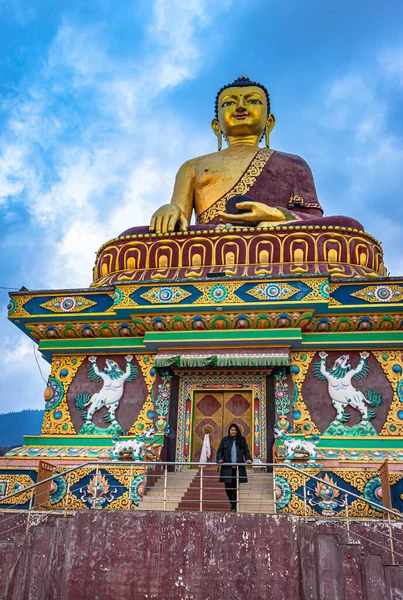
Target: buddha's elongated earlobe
(219,140)
(270,122)
(215,126)
(267,134)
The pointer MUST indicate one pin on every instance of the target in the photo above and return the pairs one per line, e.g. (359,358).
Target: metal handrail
(34,485)
(203,476)
(206,464)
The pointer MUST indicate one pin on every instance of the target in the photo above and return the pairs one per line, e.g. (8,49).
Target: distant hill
(4,450)
(14,425)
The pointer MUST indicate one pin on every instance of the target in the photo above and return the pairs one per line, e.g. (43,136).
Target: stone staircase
(177,484)
(214,496)
(257,496)
(183,492)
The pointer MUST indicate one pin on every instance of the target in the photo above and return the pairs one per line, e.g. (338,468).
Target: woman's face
(233,431)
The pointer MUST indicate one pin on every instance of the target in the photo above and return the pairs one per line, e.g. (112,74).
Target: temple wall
(170,556)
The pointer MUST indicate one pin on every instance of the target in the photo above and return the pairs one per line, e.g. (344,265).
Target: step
(6,566)
(351,560)
(394,582)
(176,485)
(331,584)
(374,578)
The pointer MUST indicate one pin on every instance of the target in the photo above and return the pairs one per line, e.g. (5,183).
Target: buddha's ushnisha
(241,184)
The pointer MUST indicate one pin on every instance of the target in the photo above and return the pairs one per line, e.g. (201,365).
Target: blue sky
(101,102)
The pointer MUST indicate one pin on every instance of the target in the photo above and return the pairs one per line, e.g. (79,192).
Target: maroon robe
(283,181)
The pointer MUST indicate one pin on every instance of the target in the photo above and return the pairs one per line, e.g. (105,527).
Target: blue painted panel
(195,294)
(332,501)
(304,290)
(103,303)
(5,489)
(343,294)
(396,492)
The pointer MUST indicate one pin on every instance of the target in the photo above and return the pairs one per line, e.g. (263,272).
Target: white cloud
(87,155)
(361,153)
(10,163)
(21,381)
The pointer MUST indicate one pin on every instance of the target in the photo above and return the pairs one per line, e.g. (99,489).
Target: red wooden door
(213,413)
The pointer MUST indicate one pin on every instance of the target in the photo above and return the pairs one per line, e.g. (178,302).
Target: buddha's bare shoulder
(218,159)
(193,164)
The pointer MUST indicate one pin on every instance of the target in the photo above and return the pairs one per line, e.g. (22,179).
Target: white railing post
(237,488)
(347,519)
(165,485)
(274,491)
(305,506)
(96,487)
(31,501)
(66,503)
(130,488)
(392,550)
(201,489)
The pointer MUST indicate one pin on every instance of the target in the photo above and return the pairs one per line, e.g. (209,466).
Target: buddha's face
(242,111)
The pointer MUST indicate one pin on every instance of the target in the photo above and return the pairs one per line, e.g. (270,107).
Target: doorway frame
(223,390)
(191,380)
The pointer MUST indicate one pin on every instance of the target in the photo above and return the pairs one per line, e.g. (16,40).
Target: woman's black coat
(224,453)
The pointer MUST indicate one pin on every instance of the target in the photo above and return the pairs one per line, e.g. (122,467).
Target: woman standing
(233,449)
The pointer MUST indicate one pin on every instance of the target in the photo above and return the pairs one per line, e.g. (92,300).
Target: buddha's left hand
(257,212)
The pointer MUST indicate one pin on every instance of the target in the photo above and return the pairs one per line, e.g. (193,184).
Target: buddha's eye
(228,103)
(254,101)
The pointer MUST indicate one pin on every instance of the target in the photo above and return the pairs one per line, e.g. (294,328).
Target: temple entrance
(214,411)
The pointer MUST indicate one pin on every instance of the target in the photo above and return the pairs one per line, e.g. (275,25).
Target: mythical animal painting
(297,448)
(114,379)
(341,390)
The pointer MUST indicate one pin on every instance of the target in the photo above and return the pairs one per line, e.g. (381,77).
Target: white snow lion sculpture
(341,390)
(114,379)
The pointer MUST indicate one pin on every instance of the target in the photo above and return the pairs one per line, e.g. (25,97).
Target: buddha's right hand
(166,217)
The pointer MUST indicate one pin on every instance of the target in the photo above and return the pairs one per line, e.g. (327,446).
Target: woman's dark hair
(238,431)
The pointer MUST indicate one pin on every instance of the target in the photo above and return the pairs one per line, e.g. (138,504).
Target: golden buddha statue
(269,196)
(243,184)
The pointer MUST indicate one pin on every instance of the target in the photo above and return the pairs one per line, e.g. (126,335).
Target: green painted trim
(76,440)
(92,344)
(335,443)
(359,443)
(353,337)
(220,336)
